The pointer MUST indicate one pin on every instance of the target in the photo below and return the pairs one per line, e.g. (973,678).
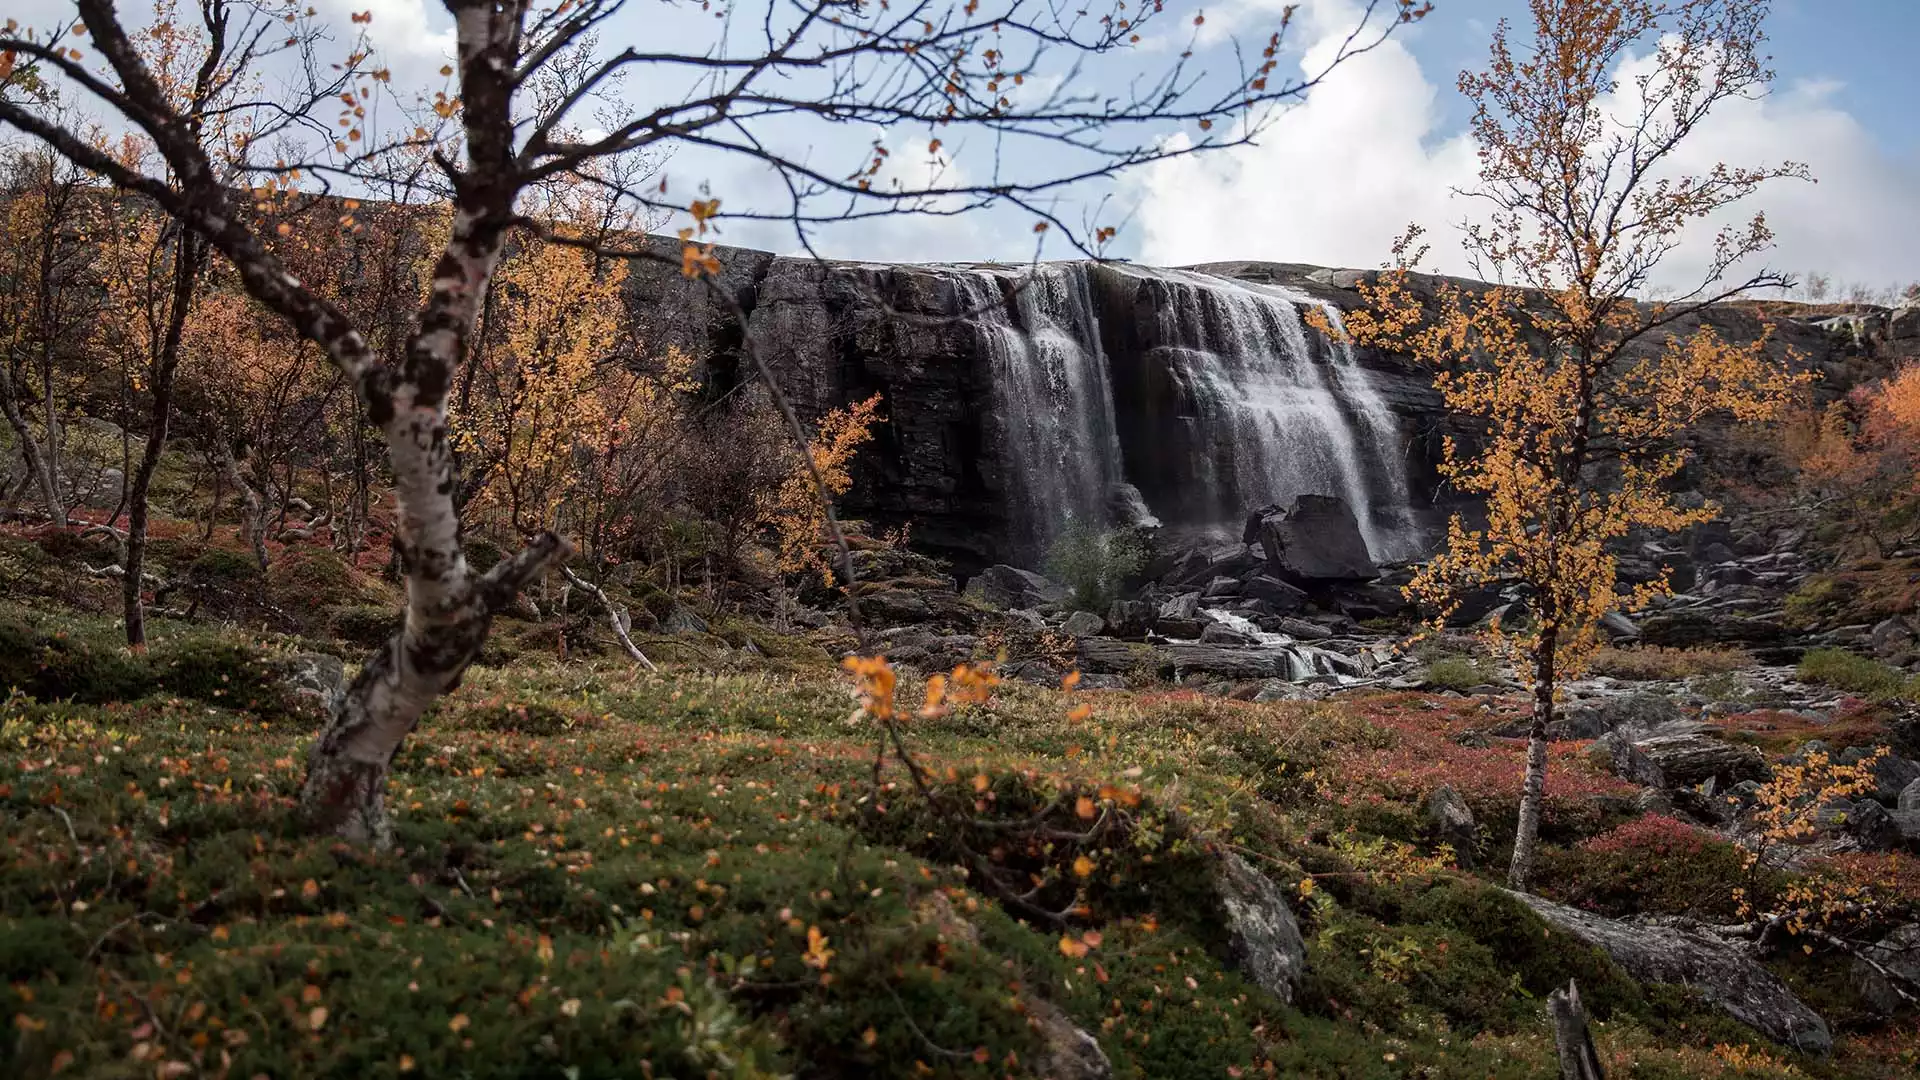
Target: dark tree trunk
(187,253)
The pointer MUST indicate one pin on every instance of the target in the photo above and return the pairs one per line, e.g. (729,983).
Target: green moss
(366,625)
(1858,674)
(1459,673)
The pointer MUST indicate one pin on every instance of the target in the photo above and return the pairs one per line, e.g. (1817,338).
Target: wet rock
(1907,824)
(1371,600)
(1317,539)
(1909,797)
(1673,757)
(1083,624)
(1692,628)
(1263,936)
(1110,656)
(1721,973)
(1891,637)
(1196,566)
(895,606)
(1898,953)
(1280,597)
(1222,634)
(1296,628)
(1452,823)
(1006,587)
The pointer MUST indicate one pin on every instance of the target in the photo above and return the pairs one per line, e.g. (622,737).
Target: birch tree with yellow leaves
(1582,391)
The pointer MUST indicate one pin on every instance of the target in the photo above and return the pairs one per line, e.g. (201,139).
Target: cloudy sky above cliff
(1380,144)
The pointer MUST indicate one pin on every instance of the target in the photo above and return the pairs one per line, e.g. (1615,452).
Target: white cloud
(1336,179)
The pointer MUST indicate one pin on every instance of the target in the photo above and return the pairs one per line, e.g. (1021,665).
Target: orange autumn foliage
(1582,394)
(1860,459)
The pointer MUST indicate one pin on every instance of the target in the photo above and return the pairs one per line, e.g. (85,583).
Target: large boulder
(1721,973)
(1262,933)
(1008,587)
(1316,540)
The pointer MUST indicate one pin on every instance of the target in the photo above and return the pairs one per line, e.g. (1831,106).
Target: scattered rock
(1594,718)
(1720,972)
(1129,618)
(1899,953)
(1892,774)
(318,676)
(683,620)
(1083,624)
(1279,597)
(1181,617)
(1007,587)
(1452,823)
(1066,1051)
(1263,936)
(1619,627)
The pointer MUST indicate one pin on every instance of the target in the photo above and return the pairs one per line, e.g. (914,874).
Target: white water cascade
(1251,407)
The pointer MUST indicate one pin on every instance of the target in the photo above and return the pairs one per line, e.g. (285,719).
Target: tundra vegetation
(417,662)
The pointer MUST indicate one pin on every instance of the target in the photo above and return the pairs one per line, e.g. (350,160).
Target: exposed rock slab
(1673,757)
(1263,935)
(1008,587)
(1721,973)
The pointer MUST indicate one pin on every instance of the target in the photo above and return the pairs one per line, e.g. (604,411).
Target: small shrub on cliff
(1094,564)
(1654,662)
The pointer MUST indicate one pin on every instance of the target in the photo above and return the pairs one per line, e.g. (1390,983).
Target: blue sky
(1333,181)
(1867,46)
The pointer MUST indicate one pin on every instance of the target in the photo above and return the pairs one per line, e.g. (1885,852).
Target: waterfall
(1054,401)
(1259,410)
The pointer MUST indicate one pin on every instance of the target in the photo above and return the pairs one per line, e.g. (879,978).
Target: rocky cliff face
(1020,403)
